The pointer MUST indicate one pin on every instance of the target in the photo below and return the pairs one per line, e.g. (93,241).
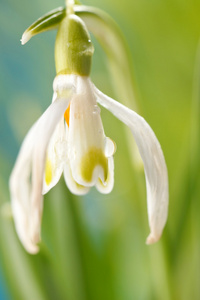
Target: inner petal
(86,138)
(72,185)
(56,156)
(106,186)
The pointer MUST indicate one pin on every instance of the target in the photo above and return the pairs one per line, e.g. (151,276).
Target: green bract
(73,48)
(49,21)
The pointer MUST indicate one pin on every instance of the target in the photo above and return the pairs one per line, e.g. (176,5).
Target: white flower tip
(29,244)
(32,248)
(25,37)
(152,238)
(36,237)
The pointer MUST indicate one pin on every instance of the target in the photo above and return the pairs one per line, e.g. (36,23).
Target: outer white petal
(20,189)
(154,163)
(27,176)
(47,126)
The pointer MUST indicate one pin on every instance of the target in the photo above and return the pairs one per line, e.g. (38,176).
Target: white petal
(72,185)
(20,189)
(57,149)
(86,136)
(154,163)
(46,128)
(27,176)
(56,157)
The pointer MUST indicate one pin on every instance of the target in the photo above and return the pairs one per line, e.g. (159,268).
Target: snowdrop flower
(69,138)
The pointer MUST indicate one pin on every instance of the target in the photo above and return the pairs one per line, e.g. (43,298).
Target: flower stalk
(70,7)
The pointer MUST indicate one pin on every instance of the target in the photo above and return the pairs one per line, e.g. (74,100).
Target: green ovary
(94,157)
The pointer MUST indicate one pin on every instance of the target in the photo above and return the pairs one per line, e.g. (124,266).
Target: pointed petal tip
(151,239)
(36,238)
(29,245)
(33,249)
(25,38)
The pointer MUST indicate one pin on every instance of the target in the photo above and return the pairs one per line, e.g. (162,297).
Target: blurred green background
(93,247)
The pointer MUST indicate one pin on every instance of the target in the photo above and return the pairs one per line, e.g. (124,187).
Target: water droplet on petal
(110,147)
(96,109)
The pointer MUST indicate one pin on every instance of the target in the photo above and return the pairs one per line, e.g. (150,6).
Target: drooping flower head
(69,138)
(87,153)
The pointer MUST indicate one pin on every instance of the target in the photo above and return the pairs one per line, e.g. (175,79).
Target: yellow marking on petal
(67,114)
(48,172)
(94,157)
(105,181)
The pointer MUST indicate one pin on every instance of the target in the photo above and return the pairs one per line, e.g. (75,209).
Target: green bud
(73,48)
